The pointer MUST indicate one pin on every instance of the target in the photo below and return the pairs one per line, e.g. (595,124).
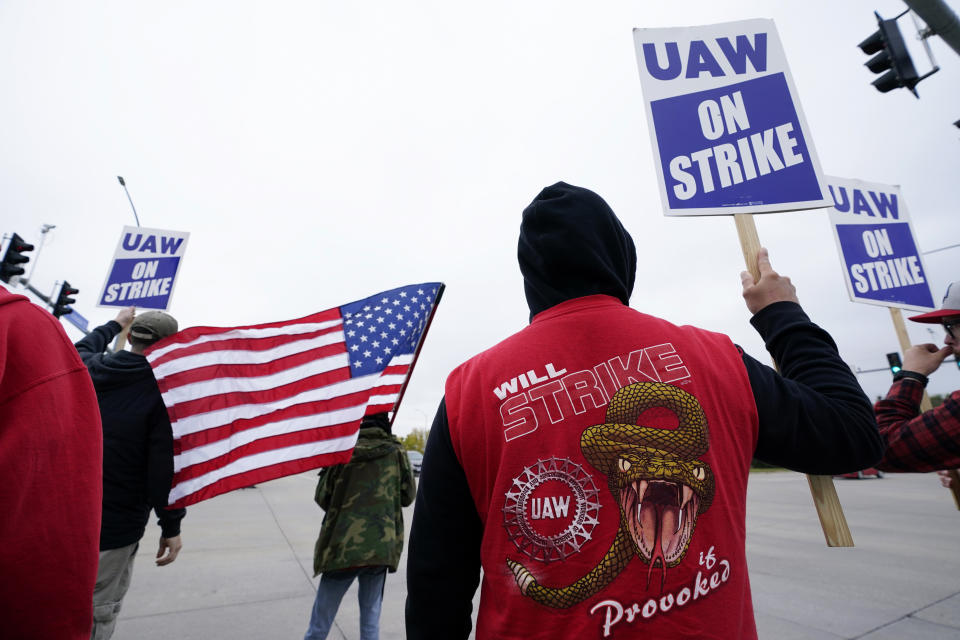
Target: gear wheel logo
(551,509)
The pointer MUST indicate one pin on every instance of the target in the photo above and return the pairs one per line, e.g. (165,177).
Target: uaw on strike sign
(881,262)
(144,268)
(728,132)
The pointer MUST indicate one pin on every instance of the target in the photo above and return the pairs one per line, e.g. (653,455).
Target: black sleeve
(96,342)
(160,472)
(814,417)
(443,565)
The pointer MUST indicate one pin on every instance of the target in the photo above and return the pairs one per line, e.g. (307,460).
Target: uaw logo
(551,509)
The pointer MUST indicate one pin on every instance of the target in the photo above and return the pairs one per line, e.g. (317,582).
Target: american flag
(250,404)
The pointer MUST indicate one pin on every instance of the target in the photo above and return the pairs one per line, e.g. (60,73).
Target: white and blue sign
(76,320)
(728,132)
(882,264)
(144,269)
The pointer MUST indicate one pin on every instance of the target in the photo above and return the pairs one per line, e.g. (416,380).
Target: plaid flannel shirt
(918,442)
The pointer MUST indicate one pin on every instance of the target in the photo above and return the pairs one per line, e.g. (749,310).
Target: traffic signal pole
(48,300)
(824,493)
(35,292)
(897,316)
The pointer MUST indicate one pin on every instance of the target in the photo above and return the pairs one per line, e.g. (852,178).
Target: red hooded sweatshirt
(50,478)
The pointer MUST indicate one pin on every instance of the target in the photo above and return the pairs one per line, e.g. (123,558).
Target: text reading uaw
(748,156)
(144,281)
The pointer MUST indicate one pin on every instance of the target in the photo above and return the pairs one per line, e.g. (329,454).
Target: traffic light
(891,57)
(894,360)
(62,306)
(14,257)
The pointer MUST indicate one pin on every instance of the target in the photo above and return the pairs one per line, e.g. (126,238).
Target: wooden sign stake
(121,341)
(925,405)
(955,486)
(825,499)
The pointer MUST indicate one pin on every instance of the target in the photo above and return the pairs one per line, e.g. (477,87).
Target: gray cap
(950,306)
(153,325)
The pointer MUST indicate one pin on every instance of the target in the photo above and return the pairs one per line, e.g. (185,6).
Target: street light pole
(123,184)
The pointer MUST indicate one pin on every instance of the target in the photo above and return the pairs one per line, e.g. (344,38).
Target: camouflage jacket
(362,500)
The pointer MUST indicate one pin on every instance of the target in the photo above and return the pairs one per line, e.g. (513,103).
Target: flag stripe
(215,434)
(214,380)
(202,420)
(269,393)
(217,448)
(233,450)
(385,398)
(187,339)
(262,474)
(265,459)
(243,351)
(194,335)
(216,343)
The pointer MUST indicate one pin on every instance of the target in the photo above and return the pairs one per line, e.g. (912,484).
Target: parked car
(864,473)
(416,459)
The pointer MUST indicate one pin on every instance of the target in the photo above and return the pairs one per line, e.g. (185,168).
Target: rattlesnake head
(660,484)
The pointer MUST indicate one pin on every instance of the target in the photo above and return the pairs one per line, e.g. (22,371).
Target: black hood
(572,245)
(380,420)
(111,370)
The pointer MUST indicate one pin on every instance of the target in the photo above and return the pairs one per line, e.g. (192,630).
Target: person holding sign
(927,441)
(595,463)
(137,456)
(362,533)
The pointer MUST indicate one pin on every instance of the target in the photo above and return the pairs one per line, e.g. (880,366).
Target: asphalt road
(245,570)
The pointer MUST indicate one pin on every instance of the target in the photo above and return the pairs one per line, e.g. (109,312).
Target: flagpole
(416,353)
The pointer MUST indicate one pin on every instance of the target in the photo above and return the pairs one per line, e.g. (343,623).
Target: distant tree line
(416,440)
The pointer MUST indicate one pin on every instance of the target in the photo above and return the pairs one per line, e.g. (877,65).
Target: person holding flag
(248,404)
(362,533)
(137,456)
(928,441)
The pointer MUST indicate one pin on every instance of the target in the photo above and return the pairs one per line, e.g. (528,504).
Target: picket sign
(881,260)
(872,221)
(725,121)
(144,269)
(729,138)
(925,405)
(121,342)
(824,493)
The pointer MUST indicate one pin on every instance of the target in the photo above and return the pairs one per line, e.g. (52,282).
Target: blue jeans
(333,584)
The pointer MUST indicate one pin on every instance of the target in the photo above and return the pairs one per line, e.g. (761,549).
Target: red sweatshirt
(50,478)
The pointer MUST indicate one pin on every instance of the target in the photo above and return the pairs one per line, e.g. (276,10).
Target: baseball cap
(153,325)
(950,306)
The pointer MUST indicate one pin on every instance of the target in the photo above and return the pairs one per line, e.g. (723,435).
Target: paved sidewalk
(245,571)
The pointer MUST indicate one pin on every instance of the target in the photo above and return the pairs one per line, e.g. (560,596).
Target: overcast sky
(320,152)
